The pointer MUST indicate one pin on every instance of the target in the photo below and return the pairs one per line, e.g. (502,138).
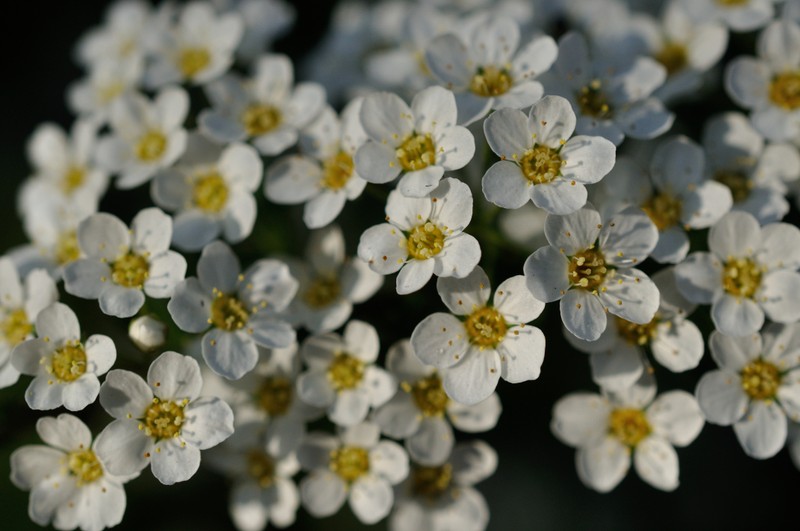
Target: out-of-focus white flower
(480,342)
(65,369)
(355,466)
(442,498)
(108,80)
(342,375)
(264,21)
(617,356)
(19,307)
(738,15)
(421,413)
(211,190)
(611,429)
(589,267)
(755,388)
(484,65)
(329,282)
(268,109)
(324,177)
(197,49)
(676,194)
(244,309)
(69,483)
(612,101)
(124,36)
(122,265)
(420,142)
(540,159)
(767,85)
(263,490)
(755,173)
(423,237)
(147,333)
(161,422)
(146,136)
(749,271)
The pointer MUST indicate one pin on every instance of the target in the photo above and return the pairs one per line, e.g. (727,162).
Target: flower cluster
(308,381)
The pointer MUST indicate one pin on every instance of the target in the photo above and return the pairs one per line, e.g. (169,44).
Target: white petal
(505,186)
(552,120)
(507,134)
(166,271)
(362,341)
(388,460)
(439,340)
(580,418)
(559,196)
(371,499)
(376,163)
(737,234)
(482,416)
(464,295)
(125,395)
(218,268)
(399,417)
(293,180)
(420,183)
(229,354)
(59,324)
(173,462)
(603,465)
(676,417)
(381,385)
(521,354)
(631,295)
(349,407)
(762,431)
(617,369)
(103,236)
(207,422)
(190,306)
(151,231)
(546,274)
(384,248)
(678,345)
(656,462)
(31,464)
(474,378)
(736,316)
(583,314)
(721,397)
(314,388)
(123,447)
(83,278)
(432,443)
(776,296)
(64,432)
(80,393)
(414,275)
(175,376)
(44,393)
(574,232)
(385,117)
(734,353)
(119,301)
(459,257)
(323,493)
(699,277)
(587,158)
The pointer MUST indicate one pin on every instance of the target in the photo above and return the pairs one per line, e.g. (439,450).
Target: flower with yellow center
(323,291)
(431,482)
(151,146)
(15,326)
(425,241)
(275,395)
(741,277)
(593,102)
(629,426)
(673,56)
(130,270)
(489,81)
(210,193)
(260,119)
(337,170)
(192,61)
(664,210)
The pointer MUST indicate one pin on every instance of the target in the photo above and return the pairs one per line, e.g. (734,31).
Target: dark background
(535,486)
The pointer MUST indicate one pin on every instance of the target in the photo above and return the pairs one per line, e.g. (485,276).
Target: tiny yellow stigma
(593,101)
(130,270)
(587,269)
(485,327)
(416,152)
(73,179)
(259,119)
(337,171)
(345,371)
(760,380)
(69,362)
(84,465)
(67,249)
(163,419)
(151,146)
(637,334)
(349,462)
(541,164)
(228,313)
(210,192)
(275,395)
(192,61)
(630,426)
(741,277)
(490,81)
(425,241)
(664,210)
(429,396)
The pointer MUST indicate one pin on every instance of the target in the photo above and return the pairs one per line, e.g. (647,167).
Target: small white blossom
(123,36)
(147,333)
(108,81)
(264,21)
(738,15)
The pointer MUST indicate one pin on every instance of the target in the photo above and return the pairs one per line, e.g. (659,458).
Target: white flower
(484,340)
(423,237)
(161,422)
(588,266)
(342,375)
(324,177)
(421,413)
(211,189)
(612,102)
(263,490)
(198,48)
(612,429)
(146,135)
(123,36)
(268,109)
(329,282)
(421,141)
(244,309)
(754,172)
(755,388)
(264,21)
(65,369)
(617,356)
(443,498)
(69,483)
(676,194)
(108,80)
(766,85)
(356,466)
(749,271)
(485,67)
(121,265)
(63,165)
(540,159)
(19,306)
(739,15)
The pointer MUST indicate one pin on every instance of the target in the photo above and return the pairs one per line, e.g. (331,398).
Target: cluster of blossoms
(465,112)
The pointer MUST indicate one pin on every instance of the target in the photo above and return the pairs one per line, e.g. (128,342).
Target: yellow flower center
(760,380)
(587,269)
(630,426)
(593,101)
(664,210)
(84,465)
(673,56)
(739,185)
(732,3)
(228,313)
(741,277)
(486,328)
(67,249)
(275,395)
(130,270)
(428,395)
(163,419)
(261,467)
(73,178)
(637,334)
(323,291)
(490,81)
(431,481)
(784,91)
(210,192)
(425,241)
(151,146)
(260,119)
(108,92)
(541,164)
(416,152)
(192,61)
(349,462)
(69,362)
(16,326)
(345,371)
(337,170)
